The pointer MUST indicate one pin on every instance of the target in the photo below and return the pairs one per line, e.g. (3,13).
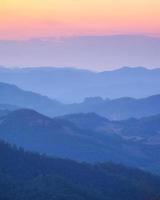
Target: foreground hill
(25,175)
(72,85)
(116,109)
(66,139)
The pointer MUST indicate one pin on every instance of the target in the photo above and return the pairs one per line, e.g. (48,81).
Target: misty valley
(68,134)
(79,100)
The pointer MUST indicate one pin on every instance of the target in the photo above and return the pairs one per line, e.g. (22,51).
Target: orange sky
(22,19)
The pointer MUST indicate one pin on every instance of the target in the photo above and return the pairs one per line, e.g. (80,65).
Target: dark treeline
(29,176)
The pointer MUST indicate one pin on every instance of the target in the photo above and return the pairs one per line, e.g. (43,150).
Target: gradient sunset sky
(23,19)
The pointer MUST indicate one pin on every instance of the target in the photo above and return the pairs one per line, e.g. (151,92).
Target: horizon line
(76,68)
(61,37)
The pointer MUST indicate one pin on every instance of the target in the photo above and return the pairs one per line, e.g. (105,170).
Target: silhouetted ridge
(72,85)
(24,175)
(85,137)
(116,109)
(86,120)
(12,95)
(27,114)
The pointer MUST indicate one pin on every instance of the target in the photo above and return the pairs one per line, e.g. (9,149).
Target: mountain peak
(26,115)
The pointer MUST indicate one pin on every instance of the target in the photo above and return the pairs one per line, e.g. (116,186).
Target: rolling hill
(66,139)
(144,130)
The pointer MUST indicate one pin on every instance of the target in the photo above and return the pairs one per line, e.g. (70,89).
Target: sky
(24,19)
(89,34)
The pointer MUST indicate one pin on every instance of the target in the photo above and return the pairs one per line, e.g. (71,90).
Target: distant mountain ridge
(18,98)
(92,52)
(73,85)
(116,109)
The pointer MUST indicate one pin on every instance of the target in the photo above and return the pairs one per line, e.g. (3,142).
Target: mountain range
(75,134)
(144,130)
(12,97)
(70,137)
(118,109)
(72,85)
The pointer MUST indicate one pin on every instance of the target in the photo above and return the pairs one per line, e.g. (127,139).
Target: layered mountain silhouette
(66,138)
(18,98)
(145,130)
(72,85)
(26,175)
(74,134)
(116,109)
